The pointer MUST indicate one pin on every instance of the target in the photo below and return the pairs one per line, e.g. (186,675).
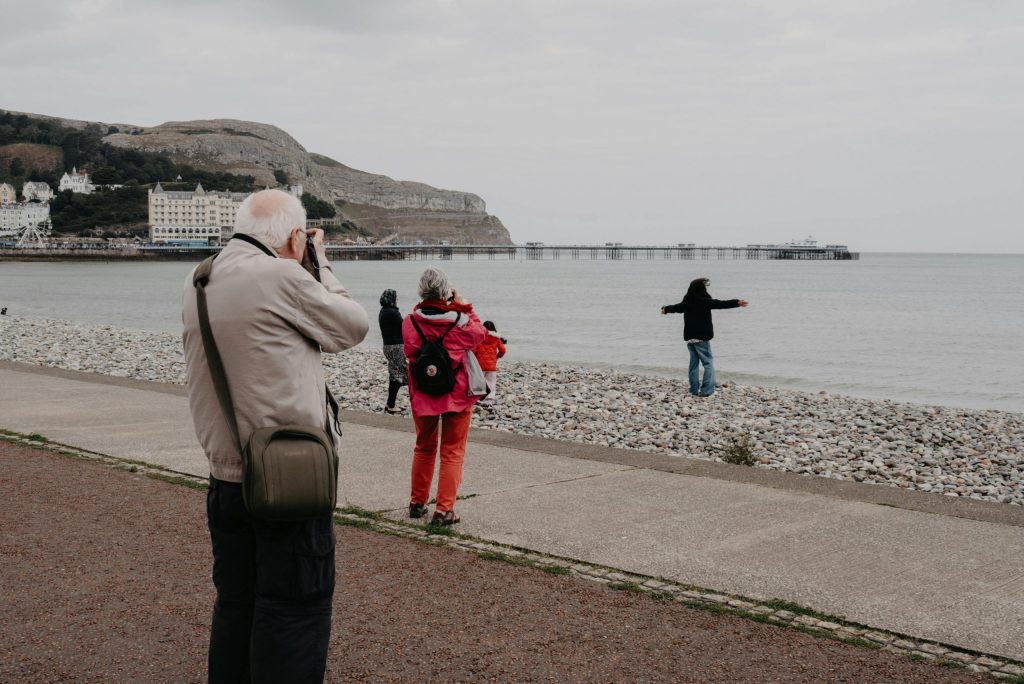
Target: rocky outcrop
(375,202)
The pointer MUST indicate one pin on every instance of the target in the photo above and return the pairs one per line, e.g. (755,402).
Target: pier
(610,252)
(439,252)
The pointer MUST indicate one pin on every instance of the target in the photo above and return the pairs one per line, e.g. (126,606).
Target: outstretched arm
(672,308)
(726,303)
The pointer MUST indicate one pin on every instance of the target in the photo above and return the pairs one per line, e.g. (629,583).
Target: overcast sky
(884,125)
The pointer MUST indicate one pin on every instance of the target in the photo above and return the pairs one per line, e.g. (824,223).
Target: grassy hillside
(41,150)
(47,159)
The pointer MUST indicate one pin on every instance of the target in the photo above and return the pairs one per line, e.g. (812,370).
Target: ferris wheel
(29,235)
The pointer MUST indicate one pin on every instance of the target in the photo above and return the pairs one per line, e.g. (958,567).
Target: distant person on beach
(697,331)
(437,335)
(390,320)
(488,353)
(270,320)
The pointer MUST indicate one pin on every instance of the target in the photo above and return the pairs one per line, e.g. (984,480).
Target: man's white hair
(434,284)
(271,216)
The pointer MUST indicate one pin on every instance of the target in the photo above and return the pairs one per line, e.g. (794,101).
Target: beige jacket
(270,320)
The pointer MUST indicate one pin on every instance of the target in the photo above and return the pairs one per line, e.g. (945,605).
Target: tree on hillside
(17,167)
(105,175)
(74,212)
(37,176)
(316,208)
(280,176)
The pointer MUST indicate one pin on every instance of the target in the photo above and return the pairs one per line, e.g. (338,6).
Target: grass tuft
(779,604)
(662,595)
(863,643)
(35,436)
(362,513)
(491,555)
(350,522)
(740,451)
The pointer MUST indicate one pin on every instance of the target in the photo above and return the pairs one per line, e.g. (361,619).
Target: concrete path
(921,564)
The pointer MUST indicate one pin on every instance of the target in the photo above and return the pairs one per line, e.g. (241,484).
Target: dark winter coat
(390,319)
(697,315)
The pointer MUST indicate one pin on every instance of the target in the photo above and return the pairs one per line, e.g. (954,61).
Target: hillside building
(7,194)
(192,215)
(21,214)
(76,181)
(36,191)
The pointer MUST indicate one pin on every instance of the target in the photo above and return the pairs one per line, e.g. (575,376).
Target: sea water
(944,329)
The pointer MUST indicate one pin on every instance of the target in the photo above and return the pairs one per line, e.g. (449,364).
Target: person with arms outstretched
(698,330)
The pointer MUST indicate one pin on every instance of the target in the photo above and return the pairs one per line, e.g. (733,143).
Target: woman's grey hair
(271,216)
(434,284)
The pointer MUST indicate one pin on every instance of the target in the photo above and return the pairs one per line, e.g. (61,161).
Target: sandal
(393,411)
(417,510)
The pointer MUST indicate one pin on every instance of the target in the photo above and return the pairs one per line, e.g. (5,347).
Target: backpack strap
(412,317)
(458,316)
(423,338)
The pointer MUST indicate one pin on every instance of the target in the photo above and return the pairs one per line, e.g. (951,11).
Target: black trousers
(275,584)
(393,387)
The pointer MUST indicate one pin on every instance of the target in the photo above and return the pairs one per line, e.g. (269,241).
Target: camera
(312,257)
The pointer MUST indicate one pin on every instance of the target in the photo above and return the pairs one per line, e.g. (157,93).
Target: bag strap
(333,404)
(423,338)
(213,359)
(216,364)
(458,317)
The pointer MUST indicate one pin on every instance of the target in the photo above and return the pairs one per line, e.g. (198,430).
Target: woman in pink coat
(442,314)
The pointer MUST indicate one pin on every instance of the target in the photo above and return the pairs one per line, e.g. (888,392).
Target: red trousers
(454,429)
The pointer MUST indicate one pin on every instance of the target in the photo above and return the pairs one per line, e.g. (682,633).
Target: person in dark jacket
(698,330)
(390,319)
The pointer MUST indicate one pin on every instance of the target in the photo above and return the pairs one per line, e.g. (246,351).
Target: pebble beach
(951,451)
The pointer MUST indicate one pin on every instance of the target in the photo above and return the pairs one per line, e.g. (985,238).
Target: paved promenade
(130,602)
(925,565)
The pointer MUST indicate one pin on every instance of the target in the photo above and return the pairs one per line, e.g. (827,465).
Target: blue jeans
(700,355)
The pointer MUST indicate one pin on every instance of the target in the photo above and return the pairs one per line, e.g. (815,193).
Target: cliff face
(375,202)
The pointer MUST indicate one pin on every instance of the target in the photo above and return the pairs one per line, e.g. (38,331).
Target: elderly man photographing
(270,319)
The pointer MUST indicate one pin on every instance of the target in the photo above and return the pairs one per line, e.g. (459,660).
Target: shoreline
(969,453)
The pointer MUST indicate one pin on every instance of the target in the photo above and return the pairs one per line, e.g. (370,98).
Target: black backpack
(432,370)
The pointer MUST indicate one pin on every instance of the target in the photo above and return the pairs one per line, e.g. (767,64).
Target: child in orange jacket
(488,353)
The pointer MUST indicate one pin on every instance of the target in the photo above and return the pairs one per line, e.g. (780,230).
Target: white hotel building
(192,215)
(19,215)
